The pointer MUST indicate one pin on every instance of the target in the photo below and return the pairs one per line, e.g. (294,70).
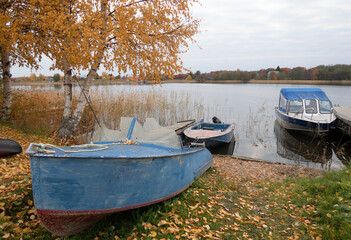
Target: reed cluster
(40,111)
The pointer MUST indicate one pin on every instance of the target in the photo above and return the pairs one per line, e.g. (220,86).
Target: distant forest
(330,72)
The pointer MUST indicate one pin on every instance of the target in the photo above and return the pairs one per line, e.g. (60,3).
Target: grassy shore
(234,199)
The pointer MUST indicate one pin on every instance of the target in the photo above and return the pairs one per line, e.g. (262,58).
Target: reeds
(36,111)
(40,111)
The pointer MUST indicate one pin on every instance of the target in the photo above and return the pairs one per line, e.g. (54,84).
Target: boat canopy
(303,93)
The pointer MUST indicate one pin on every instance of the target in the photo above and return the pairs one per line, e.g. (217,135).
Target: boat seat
(208,128)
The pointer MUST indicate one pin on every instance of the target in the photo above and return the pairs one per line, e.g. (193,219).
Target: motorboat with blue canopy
(133,166)
(305,109)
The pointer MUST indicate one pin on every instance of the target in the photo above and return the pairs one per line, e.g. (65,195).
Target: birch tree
(141,36)
(18,44)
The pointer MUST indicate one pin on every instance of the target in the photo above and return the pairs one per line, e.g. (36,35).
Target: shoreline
(252,81)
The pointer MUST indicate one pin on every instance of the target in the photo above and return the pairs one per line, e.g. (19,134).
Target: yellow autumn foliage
(145,37)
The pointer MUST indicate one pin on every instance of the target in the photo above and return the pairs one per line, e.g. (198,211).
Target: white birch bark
(6,101)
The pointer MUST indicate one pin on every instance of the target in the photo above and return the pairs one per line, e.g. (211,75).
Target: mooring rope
(91,147)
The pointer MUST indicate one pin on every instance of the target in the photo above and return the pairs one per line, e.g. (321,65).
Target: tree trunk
(65,129)
(70,122)
(6,102)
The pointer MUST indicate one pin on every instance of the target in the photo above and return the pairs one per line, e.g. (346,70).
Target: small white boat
(305,110)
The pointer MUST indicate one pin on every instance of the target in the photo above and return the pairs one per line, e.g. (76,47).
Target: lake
(251,108)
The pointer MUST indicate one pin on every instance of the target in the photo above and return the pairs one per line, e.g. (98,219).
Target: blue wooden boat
(9,147)
(74,187)
(307,110)
(213,136)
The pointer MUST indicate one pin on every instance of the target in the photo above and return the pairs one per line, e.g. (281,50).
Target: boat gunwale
(176,153)
(213,134)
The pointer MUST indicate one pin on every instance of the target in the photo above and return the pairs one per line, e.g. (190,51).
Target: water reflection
(303,150)
(342,147)
(300,148)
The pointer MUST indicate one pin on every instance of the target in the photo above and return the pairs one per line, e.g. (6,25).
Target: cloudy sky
(257,34)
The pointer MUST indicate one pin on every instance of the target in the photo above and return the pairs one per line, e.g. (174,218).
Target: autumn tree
(17,44)
(144,37)
(56,77)
(32,76)
(104,75)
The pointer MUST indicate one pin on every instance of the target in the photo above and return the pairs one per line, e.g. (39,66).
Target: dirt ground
(259,170)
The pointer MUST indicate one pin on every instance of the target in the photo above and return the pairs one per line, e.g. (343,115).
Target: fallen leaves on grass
(17,214)
(235,199)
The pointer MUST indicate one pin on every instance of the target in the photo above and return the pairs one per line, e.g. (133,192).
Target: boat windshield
(311,106)
(295,106)
(325,106)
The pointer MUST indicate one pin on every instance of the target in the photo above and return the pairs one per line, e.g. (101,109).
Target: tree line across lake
(322,72)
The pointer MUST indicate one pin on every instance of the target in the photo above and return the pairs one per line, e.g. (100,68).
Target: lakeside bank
(235,199)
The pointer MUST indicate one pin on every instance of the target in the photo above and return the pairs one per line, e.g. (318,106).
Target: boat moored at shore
(74,187)
(307,110)
(218,137)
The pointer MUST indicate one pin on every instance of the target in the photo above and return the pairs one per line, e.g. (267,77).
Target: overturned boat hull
(9,147)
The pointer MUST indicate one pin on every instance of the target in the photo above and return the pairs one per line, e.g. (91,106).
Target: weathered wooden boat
(305,109)
(214,136)
(74,187)
(9,147)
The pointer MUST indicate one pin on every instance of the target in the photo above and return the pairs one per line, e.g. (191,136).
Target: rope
(42,148)
(91,107)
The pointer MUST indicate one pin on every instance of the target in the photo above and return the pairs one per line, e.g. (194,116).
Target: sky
(258,34)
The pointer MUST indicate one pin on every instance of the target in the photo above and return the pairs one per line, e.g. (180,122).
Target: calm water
(251,108)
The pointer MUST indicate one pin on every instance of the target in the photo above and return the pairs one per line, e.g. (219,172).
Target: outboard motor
(216,120)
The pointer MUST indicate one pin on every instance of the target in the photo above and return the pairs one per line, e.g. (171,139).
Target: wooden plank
(180,126)
(343,113)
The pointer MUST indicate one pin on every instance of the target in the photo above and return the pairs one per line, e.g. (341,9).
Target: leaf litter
(235,199)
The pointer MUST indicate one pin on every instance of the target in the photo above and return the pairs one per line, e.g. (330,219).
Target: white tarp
(150,132)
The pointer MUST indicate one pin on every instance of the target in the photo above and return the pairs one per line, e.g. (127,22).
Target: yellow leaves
(148,226)
(256,218)
(2,214)
(196,206)
(6,235)
(163,222)
(237,216)
(152,234)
